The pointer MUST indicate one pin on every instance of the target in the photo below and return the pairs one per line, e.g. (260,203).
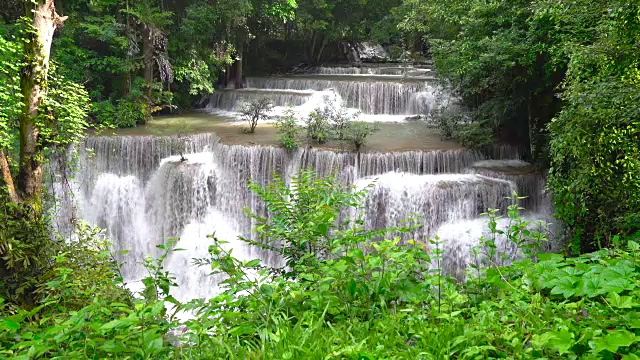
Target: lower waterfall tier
(142,193)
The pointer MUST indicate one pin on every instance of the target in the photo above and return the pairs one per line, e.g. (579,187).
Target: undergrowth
(347,293)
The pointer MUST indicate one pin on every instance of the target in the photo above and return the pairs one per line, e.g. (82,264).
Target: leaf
(617,285)
(565,286)
(551,257)
(114,347)
(117,323)
(154,345)
(562,341)
(630,357)
(242,330)
(252,264)
(614,340)
(591,285)
(10,324)
(622,302)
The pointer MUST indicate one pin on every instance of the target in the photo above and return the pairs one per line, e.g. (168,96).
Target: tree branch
(6,179)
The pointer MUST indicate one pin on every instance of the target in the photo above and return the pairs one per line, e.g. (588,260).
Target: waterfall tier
(381,92)
(143,192)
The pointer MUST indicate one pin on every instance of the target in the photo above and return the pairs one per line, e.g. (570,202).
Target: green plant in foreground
(349,293)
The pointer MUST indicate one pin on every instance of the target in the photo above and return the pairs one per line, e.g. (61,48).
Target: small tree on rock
(357,132)
(255,111)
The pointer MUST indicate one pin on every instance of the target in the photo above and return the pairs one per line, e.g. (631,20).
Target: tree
(255,111)
(44,20)
(43,109)
(595,154)
(357,132)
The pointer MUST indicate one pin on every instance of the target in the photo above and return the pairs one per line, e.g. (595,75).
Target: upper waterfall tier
(232,100)
(385,92)
(379,70)
(370,96)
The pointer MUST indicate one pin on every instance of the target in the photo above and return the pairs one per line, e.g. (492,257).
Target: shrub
(595,163)
(318,128)
(357,132)
(130,113)
(104,113)
(255,111)
(287,130)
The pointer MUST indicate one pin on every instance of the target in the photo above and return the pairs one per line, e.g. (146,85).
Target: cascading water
(373,91)
(142,192)
(141,205)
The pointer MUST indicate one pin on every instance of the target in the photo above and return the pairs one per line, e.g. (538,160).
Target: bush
(357,132)
(475,135)
(318,127)
(255,111)
(287,130)
(104,113)
(129,113)
(595,163)
(335,123)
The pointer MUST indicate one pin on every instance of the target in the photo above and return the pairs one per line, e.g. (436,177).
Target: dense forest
(560,80)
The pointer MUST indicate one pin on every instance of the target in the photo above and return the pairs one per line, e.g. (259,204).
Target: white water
(142,195)
(383,93)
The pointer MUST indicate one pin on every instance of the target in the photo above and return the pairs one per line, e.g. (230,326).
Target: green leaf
(630,357)
(114,346)
(614,340)
(10,324)
(562,341)
(252,263)
(622,302)
(565,286)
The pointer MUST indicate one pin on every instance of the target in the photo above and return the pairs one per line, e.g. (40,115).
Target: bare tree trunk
(6,179)
(147,53)
(324,44)
(238,74)
(33,84)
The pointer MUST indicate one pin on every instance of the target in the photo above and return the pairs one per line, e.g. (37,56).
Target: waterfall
(370,96)
(143,193)
(384,92)
(231,100)
(378,70)
(433,199)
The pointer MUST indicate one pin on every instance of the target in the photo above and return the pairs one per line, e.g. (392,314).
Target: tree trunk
(33,84)
(238,74)
(147,54)
(324,44)
(7,179)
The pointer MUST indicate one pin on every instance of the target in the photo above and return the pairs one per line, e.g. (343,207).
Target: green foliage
(295,209)
(129,113)
(346,293)
(287,130)
(519,64)
(357,132)
(594,149)
(255,111)
(333,122)
(596,183)
(10,95)
(318,127)
(25,250)
(103,113)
